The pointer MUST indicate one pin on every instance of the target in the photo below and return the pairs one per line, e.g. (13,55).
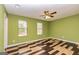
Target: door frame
(5,31)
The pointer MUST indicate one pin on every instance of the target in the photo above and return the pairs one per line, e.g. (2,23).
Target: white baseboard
(65,40)
(27,42)
(41,39)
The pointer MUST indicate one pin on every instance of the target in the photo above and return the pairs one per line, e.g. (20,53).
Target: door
(5,31)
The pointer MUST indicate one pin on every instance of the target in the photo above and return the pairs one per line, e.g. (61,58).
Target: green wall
(67,28)
(1,28)
(32,35)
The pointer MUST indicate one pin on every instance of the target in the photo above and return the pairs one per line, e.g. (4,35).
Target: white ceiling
(35,10)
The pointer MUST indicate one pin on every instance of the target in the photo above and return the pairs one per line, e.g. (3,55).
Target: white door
(5,31)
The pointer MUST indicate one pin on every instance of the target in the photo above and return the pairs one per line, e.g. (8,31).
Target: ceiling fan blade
(46,12)
(53,12)
(51,16)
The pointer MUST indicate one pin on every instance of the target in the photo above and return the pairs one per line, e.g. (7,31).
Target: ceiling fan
(47,14)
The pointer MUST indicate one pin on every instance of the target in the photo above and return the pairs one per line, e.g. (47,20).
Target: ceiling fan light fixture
(47,17)
(48,14)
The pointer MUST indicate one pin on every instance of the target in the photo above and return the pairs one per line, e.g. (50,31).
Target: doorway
(5,31)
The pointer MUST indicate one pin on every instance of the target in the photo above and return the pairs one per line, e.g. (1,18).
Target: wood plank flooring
(45,47)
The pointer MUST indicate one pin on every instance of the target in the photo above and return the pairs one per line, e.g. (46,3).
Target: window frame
(39,28)
(22,24)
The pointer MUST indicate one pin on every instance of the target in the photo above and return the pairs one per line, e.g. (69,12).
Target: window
(39,29)
(22,28)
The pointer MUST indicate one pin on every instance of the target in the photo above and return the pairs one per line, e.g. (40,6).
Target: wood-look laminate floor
(45,47)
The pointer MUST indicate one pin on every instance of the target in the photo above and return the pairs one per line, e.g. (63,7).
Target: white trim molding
(42,39)
(5,31)
(27,42)
(65,40)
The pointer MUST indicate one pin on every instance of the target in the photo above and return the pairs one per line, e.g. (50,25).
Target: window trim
(24,26)
(39,28)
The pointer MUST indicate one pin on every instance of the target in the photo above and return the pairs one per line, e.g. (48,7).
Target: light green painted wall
(1,28)
(32,35)
(67,27)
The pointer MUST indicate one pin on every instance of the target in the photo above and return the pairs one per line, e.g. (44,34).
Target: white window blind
(22,28)
(39,28)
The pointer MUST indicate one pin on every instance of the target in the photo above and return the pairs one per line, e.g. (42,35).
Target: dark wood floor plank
(44,47)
